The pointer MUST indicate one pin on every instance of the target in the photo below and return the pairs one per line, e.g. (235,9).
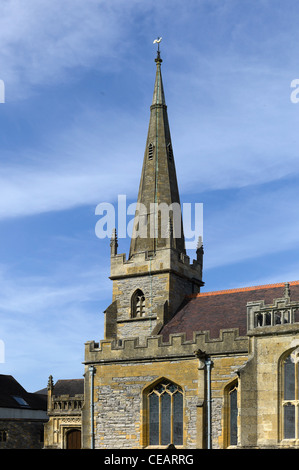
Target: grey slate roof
(215,311)
(13,395)
(69,387)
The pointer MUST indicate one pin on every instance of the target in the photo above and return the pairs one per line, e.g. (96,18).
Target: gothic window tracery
(138,304)
(165,414)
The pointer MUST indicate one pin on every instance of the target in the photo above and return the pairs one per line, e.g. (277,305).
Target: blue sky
(78,86)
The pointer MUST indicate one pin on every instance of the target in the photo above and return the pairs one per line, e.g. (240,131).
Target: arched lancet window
(138,304)
(165,414)
(231,414)
(290,396)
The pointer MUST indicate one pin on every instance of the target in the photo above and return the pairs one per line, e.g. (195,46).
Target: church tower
(151,284)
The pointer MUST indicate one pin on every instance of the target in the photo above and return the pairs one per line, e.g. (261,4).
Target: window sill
(164,447)
(288,442)
(128,320)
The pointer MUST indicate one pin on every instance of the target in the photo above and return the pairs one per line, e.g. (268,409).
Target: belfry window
(165,414)
(290,396)
(150,151)
(138,304)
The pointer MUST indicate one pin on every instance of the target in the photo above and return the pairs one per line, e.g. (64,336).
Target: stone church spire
(158,182)
(152,283)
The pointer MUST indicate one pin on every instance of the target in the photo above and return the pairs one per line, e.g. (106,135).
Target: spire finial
(50,383)
(157,41)
(113,243)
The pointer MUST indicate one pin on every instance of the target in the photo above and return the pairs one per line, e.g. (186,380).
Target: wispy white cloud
(233,124)
(238,145)
(84,164)
(227,73)
(42,40)
(31,294)
(234,128)
(45,320)
(255,223)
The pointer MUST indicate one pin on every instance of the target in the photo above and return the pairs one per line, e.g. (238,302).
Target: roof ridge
(68,380)
(242,289)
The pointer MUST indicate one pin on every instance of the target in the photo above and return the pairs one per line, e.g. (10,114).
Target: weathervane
(157,41)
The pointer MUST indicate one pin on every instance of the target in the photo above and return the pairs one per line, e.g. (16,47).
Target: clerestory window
(165,414)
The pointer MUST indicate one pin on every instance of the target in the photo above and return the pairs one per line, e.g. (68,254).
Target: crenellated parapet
(150,262)
(152,348)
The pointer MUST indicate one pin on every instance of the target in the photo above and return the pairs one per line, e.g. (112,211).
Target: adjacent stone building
(22,416)
(178,366)
(65,401)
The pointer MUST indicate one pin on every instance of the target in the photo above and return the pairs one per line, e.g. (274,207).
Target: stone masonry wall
(120,416)
(140,327)
(157,289)
(22,434)
(154,288)
(123,371)
(118,412)
(223,372)
(261,382)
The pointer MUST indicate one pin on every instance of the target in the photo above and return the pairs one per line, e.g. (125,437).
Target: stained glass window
(165,403)
(165,418)
(290,396)
(178,419)
(154,419)
(233,416)
(289,421)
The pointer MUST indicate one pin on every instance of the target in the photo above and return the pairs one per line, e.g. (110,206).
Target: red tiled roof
(215,311)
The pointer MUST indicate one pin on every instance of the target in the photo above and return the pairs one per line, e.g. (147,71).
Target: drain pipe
(92,371)
(209,364)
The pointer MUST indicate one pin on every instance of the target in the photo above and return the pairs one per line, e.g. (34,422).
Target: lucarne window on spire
(169,151)
(150,151)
